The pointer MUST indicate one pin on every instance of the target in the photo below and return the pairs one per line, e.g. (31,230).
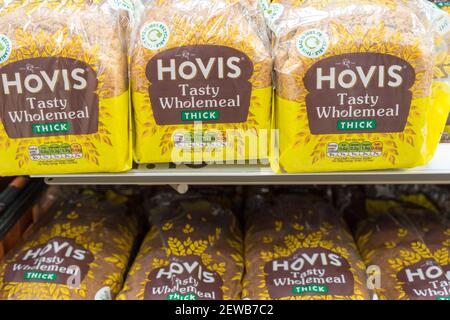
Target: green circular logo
(312,43)
(5,48)
(154,35)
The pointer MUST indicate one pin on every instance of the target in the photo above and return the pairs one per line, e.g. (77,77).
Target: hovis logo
(48,97)
(309,271)
(178,268)
(200,68)
(377,76)
(208,83)
(430,272)
(185,278)
(55,247)
(425,280)
(359,93)
(59,260)
(33,82)
(305,260)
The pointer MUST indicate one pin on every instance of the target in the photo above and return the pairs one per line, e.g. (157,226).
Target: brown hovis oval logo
(52,262)
(42,97)
(309,272)
(184,278)
(359,93)
(425,280)
(205,83)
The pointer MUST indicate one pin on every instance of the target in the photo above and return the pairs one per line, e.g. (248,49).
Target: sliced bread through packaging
(201,79)
(356,87)
(64,102)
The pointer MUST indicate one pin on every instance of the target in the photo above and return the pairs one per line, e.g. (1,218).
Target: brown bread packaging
(192,251)
(78,250)
(410,246)
(297,247)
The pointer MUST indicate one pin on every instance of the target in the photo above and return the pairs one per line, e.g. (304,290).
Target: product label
(359,93)
(42,97)
(205,83)
(309,272)
(155,35)
(312,43)
(55,151)
(185,278)
(5,48)
(355,149)
(425,280)
(199,139)
(52,262)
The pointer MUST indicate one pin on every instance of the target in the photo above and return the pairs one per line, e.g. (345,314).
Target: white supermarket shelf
(436,172)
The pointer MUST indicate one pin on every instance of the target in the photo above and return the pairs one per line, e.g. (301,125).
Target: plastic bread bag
(438,240)
(64,101)
(193,251)
(433,197)
(201,79)
(297,247)
(78,250)
(350,202)
(402,242)
(356,83)
(444,68)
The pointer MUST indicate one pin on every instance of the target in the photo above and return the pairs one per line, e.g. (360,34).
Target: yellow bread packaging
(201,81)
(443,68)
(357,83)
(64,102)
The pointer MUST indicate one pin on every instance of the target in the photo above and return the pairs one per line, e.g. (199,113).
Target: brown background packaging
(193,231)
(93,222)
(402,237)
(289,225)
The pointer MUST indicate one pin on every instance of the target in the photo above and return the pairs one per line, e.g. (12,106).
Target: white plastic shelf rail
(436,172)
